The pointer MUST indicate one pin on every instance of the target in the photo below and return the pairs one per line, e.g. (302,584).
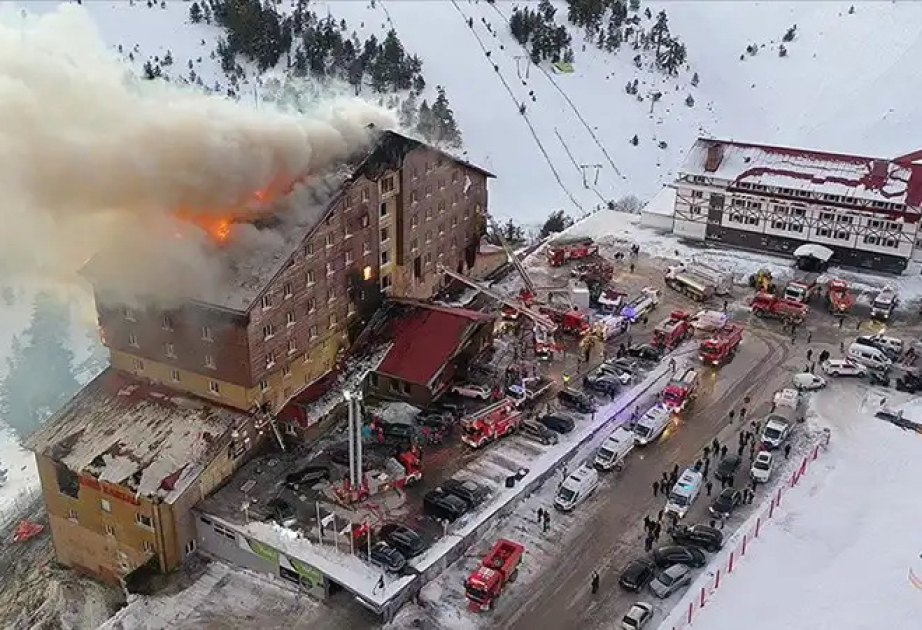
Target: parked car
(469,491)
(762,467)
(623,376)
(537,431)
(726,502)
(808,382)
(472,390)
(775,433)
(388,558)
(603,382)
(727,467)
(678,554)
(843,367)
(404,539)
(645,352)
(575,400)
(636,575)
(282,512)
(398,433)
(703,536)
(559,422)
(444,506)
(909,382)
(307,476)
(669,580)
(637,617)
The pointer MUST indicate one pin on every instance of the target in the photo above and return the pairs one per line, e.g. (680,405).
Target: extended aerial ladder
(530,291)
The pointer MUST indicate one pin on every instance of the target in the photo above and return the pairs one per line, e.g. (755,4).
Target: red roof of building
(425,340)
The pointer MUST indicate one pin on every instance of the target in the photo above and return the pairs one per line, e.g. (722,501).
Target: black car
(398,433)
(907,383)
(307,477)
(444,506)
(281,511)
(726,502)
(703,536)
(727,467)
(636,575)
(470,492)
(534,430)
(603,382)
(404,539)
(645,352)
(388,558)
(576,400)
(559,422)
(665,557)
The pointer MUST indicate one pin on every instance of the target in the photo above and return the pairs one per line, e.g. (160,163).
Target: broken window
(68,481)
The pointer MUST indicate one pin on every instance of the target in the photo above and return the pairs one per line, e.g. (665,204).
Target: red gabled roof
(425,340)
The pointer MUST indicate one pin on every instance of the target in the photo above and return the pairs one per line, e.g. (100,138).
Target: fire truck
(397,472)
(490,423)
(563,250)
(641,306)
(681,391)
(772,306)
(803,288)
(572,321)
(609,301)
(722,346)
(722,281)
(672,331)
(498,568)
(839,297)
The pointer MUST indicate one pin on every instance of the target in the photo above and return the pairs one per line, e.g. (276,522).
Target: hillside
(839,87)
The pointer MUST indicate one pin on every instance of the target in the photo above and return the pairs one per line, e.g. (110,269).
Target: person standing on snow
(596,581)
(655,488)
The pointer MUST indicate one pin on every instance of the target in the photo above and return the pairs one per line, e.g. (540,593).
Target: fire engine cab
(490,423)
(681,391)
(673,330)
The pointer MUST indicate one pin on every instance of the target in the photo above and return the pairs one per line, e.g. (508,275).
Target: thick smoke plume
(94,159)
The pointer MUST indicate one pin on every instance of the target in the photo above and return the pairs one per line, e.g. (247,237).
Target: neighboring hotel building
(184,402)
(775,198)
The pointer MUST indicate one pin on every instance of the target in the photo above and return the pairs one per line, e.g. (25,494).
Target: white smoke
(93,158)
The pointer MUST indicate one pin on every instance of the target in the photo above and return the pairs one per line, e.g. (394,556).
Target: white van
(892,346)
(788,397)
(576,488)
(614,449)
(684,492)
(651,425)
(871,357)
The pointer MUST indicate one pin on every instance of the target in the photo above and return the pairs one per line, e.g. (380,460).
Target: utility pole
(584,168)
(518,66)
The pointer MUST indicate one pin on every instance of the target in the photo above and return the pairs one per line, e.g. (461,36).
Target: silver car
(637,617)
(669,580)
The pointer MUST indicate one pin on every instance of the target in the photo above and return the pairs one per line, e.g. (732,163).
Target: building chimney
(714,157)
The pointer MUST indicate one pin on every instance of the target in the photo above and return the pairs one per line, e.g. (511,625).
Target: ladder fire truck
(563,250)
(490,423)
(681,391)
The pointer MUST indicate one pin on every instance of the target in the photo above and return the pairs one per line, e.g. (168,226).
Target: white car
(471,390)
(808,382)
(843,367)
(762,467)
(775,433)
(638,616)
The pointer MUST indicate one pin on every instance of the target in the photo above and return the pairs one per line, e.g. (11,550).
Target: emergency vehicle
(681,391)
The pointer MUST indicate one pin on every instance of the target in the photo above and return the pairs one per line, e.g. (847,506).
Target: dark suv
(534,430)
(398,433)
(636,575)
(470,492)
(405,540)
(388,558)
(444,506)
(307,476)
(576,400)
(727,467)
(703,536)
(559,422)
(665,557)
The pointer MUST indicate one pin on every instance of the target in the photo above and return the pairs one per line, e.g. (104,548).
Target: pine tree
(425,122)
(782,51)
(690,100)
(446,129)
(40,377)
(694,80)
(195,13)
(660,30)
(613,39)
(558,221)
(408,111)
(635,5)
(635,140)
(790,34)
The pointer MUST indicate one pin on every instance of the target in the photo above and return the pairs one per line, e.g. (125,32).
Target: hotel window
(207,335)
(266,301)
(796,227)
(148,546)
(778,225)
(842,235)
(365,194)
(441,207)
(824,232)
(364,221)
(752,220)
(384,234)
(286,290)
(441,183)
(428,191)
(311,305)
(169,350)
(383,208)
(72,515)
(331,294)
(312,332)
(263,385)
(347,258)
(428,213)
(329,240)
(167,322)
(138,365)
(133,340)
(292,346)
(311,277)
(697,194)
(871,240)
(387,184)
(209,362)
(290,318)
(286,372)
(454,176)
(366,248)
(309,250)
(143,521)
(331,268)
(214,387)
(110,530)
(175,376)
(414,220)
(268,331)
(332,320)
(414,197)
(826,216)
(130,314)
(270,360)
(385,257)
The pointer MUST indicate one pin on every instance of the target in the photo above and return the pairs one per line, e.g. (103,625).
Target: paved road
(612,533)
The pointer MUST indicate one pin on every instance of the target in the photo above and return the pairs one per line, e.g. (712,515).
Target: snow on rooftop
(847,176)
(843,551)
(124,431)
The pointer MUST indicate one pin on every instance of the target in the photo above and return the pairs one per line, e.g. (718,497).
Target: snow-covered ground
(843,550)
(587,118)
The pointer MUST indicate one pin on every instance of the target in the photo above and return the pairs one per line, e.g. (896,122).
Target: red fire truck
(673,330)
(839,297)
(721,346)
(563,250)
(571,321)
(498,568)
(768,305)
(490,423)
(681,390)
